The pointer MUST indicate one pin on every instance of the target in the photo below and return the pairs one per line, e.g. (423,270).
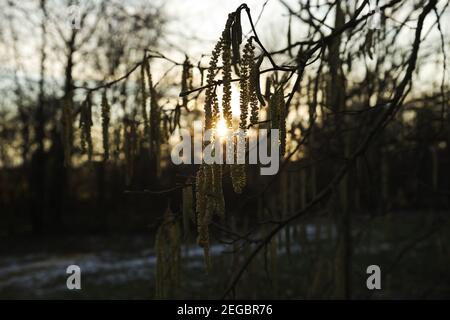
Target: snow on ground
(45,273)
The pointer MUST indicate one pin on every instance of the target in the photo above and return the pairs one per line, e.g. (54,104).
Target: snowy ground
(43,275)
(123,267)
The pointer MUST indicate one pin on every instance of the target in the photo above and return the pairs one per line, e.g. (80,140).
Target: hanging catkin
(200,193)
(274,110)
(67,125)
(282,112)
(210,96)
(105,125)
(236,36)
(237,170)
(204,208)
(202,74)
(278,117)
(186,80)
(157,144)
(247,96)
(253,86)
(267,88)
(254,78)
(117,142)
(226,74)
(215,109)
(130,147)
(155,120)
(176,119)
(144,68)
(244,84)
(168,257)
(85,126)
(238,177)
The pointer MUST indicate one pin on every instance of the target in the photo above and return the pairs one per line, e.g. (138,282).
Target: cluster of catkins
(85,125)
(208,186)
(151,134)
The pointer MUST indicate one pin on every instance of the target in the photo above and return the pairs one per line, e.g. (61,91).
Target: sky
(204,19)
(195,25)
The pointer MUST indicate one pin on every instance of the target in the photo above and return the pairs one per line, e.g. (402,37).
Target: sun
(221,128)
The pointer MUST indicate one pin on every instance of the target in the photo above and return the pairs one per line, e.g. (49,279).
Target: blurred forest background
(90,109)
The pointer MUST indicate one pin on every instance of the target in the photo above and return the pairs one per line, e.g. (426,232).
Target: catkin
(176,118)
(168,257)
(278,117)
(203,182)
(236,36)
(202,74)
(154,123)
(226,75)
(244,84)
(200,203)
(274,111)
(154,126)
(117,142)
(267,88)
(255,80)
(211,97)
(215,109)
(369,43)
(247,96)
(155,119)
(282,112)
(85,126)
(186,80)
(105,125)
(67,125)
(238,177)
(253,85)
(130,147)
(144,67)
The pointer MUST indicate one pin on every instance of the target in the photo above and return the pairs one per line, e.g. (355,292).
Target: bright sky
(195,25)
(200,22)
